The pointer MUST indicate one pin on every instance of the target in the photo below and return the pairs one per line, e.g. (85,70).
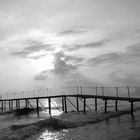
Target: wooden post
(117,93)
(49,104)
(37,107)
(95,104)
(65,103)
(102,91)
(96,90)
(77,102)
(105,105)
(116,105)
(84,105)
(63,107)
(132,109)
(128,91)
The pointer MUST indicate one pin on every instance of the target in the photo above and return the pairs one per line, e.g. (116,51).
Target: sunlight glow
(43,63)
(53,103)
(47,135)
(55,107)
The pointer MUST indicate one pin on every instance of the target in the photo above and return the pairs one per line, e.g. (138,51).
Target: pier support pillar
(65,103)
(105,105)
(84,105)
(49,104)
(116,105)
(37,107)
(95,104)
(77,103)
(132,109)
(63,108)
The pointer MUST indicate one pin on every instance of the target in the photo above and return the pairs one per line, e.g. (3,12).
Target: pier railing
(103,91)
(128,92)
(80,94)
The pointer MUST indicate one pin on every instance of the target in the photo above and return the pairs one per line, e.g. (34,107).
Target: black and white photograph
(69,69)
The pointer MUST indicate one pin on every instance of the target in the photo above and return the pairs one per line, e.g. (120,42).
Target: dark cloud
(32,47)
(106,58)
(42,76)
(132,53)
(64,66)
(61,67)
(86,45)
(74,60)
(76,31)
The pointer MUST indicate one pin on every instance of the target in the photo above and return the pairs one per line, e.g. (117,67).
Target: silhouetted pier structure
(15,103)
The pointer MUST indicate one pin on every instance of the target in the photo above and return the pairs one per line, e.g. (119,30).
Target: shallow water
(92,126)
(119,128)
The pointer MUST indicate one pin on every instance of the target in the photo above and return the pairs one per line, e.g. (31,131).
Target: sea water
(120,128)
(93,125)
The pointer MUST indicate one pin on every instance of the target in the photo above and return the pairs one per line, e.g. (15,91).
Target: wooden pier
(65,99)
(15,103)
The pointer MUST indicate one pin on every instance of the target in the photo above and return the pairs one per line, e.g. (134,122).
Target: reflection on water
(56,112)
(52,135)
(49,135)
(122,128)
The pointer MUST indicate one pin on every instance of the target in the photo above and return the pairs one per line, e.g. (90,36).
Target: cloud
(33,47)
(86,45)
(76,31)
(134,50)
(136,31)
(61,67)
(74,59)
(132,53)
(42,76)
(126,78)
(38,56)
(106,58)
(9,19)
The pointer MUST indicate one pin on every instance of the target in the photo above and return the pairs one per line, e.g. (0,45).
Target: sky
(48,43)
